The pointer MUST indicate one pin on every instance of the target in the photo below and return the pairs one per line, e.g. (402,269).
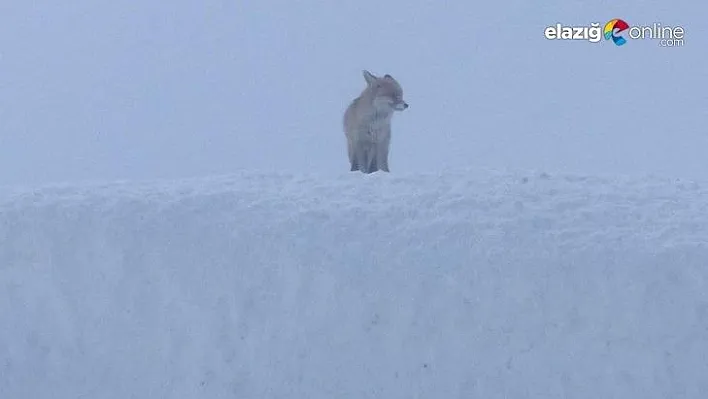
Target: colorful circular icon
(612,28)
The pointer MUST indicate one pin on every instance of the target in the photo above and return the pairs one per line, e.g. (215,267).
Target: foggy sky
(105,90)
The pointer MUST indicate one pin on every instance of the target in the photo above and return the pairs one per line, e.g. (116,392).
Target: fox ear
(369,77)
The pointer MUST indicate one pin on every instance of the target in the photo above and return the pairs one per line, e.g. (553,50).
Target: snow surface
(457,285)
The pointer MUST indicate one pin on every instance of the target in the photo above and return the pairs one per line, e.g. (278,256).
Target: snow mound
(460,285)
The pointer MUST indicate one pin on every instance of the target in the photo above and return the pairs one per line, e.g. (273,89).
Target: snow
(463,284)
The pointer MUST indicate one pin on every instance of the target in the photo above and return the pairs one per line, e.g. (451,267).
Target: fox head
(386,92)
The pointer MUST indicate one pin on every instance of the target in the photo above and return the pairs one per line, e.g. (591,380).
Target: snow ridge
(457,285)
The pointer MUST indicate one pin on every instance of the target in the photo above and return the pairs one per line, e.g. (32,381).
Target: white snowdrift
(379,286)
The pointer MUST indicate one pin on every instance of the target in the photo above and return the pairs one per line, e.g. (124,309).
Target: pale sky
(105,90)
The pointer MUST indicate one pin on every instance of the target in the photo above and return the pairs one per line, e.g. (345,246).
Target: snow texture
(455,285)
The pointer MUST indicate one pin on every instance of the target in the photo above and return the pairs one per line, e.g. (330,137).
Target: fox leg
(360,156)
(381,149)
(351,150)
(382,155)
(373,158)
(363,156)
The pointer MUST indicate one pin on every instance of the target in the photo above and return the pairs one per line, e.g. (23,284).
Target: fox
(367,123)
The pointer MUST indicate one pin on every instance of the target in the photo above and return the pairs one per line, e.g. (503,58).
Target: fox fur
(367,123)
